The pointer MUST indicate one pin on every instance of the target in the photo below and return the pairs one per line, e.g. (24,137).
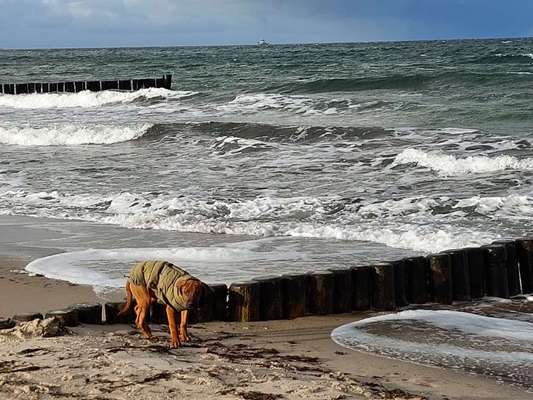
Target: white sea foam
(393,223)
(464,349)
(470,324)
(448,165)
(252,103)
(108,267)
(71,135)
(86,98)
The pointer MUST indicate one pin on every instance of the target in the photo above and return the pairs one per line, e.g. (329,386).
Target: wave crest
(448,165)
(87,99)
(71,135)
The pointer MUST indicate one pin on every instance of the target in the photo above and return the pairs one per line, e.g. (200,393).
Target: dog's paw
(175,344)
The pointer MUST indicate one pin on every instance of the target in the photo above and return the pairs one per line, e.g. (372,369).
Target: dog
(152,281)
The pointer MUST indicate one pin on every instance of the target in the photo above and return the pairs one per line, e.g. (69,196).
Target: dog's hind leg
(184,334)
(174,338)
(142,297)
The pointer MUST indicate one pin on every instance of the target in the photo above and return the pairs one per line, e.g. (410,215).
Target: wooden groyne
(502,269)
(93,86)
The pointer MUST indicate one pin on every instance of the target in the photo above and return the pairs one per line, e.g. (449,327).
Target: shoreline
(305,338)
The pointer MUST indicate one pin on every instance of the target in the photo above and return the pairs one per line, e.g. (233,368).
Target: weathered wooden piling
(342,289)
(219,297)
(525,259)
(497,284)
(111,311)
(384,296)
(362,281)
(158,313)
(270,298)
(7,323)
(319,292)
(460,275)
(88,313)
(69,317)
(476,268)
(416,272)
(26,317)
(243,301)
(294,295)
(511,261)
(400,282)
(78,86)
(441,284)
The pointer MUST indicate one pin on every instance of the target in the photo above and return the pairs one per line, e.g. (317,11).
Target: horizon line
(446,39)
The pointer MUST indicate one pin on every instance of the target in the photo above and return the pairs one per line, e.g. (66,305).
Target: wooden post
(525,259)
(26,317)
(441,284)
(497,284)
(511,261)
(294,295)
(320,292)
(362,281)
(271,298)
(219,295)
(460,275)
(88,313)
(158,313)
(69,317)
(400,282)
(476,267)
(342,289)
(111,313)
(416,270)
(243,302)
(383,287)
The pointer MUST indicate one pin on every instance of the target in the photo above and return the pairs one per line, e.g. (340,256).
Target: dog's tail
(129,296)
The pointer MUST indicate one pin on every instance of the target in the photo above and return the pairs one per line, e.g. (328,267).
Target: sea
(270,159)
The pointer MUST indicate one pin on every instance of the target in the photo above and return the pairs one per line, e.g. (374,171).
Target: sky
(114,23)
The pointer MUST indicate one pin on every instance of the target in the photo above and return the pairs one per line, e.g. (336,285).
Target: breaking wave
(70,135)
(395,224)
(448,165)
(87,99)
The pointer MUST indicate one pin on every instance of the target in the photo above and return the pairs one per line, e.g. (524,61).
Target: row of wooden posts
(94,86)
(501,269)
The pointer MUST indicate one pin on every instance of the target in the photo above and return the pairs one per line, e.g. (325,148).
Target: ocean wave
(449,165)
(69,135)
(87,99)
(503,58)
(356,84)
(399,224)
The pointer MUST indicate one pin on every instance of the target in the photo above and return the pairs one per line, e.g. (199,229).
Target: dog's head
(194,293)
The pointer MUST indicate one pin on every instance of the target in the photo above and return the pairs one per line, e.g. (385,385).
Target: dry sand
(278,359)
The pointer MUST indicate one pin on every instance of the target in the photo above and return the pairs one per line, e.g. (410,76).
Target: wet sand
(265,360)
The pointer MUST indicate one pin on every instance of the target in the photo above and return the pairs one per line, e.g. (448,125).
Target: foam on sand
(70,134)
(448,165)
(499,347)
(107,268)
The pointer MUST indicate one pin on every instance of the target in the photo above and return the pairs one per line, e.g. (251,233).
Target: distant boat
(263,42)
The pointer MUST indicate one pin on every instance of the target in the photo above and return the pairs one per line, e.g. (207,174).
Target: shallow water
(419,146)
(500,347)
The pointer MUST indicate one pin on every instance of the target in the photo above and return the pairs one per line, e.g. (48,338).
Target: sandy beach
(293,359)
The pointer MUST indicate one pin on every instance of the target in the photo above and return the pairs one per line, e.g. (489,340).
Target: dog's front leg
(171,317)
(184,334)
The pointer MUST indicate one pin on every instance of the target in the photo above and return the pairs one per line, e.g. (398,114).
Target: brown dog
(151,281)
